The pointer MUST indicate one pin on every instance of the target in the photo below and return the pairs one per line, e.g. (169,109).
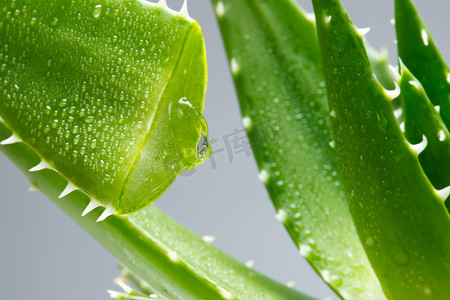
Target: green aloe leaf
(422,119)
(274,58)
(174,262)
(107,92)
(400,218)
(100,105)
(420,54)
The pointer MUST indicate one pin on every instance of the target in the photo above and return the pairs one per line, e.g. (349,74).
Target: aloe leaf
(420,54)
(273,53)
(175,263)
(107,92)
(422,119)
(399,216)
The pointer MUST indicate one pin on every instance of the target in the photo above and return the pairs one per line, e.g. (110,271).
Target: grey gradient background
(44,255)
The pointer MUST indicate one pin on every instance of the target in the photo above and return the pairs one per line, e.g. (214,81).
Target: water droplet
(97,11)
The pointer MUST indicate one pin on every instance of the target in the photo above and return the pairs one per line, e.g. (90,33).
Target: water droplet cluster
(80,82)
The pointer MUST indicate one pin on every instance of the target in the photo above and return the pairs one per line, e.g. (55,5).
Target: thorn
(113,294)
(263,176)
(402,126)
(234,66)
(106,213)
(443,193)
(249,263)
(327,19)
(41,166)
(415,84)
(153,296)
(363,31)
(398,112)
(442,135)
(437,108)
(1,120)
(392,94)
(333,113)
(69,189)
(184,10)
(311,17)
(331,144)
(11,140)
(93,204)
(125,287)
(424,35)
(173,256)
(418,148)
(395,71)
(290,284)
(392,21)
(246,122)
(32,188)
(281,216)
(220,9)
(208,238)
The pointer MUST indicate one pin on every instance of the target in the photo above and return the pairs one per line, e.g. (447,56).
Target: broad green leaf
(108,92)
(400,218)
(176,264)
(420,54)
(422,119)
(274,58)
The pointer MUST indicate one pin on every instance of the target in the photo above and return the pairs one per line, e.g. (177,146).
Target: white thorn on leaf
(69,189)
(173,256)
(332,144)
(153,296)
(40,166)
(305,250)
(333,113)
(163,3)
(418,148)
(1,120)
(11,140)
(208,238)
(106,213)
(32,188)
(424,35)
(442,136)
(184,10)
(363,31)
(443,193)
(402,126)
(415,84)
(311,17)
(249,263)
(392,21)
(263,176)
(290,284)
(93,204)
(395,72)
(437,108)
(392,94)
(398,112)
(220,9)
(448,80)
(281,216)
(114,294)
(226,294)
(246,122)
(327,19)
(234,66)
(125,287)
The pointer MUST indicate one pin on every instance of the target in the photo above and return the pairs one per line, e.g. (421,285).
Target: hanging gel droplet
(190,133)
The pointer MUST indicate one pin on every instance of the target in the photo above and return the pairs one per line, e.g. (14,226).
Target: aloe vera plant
(355,163)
